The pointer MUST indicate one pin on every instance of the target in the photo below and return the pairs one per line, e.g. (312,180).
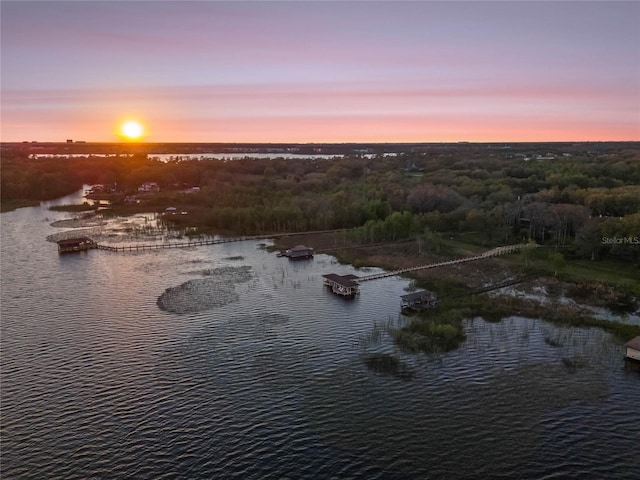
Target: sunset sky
(321,71)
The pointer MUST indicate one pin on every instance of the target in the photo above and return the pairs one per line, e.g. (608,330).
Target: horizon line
(464,142)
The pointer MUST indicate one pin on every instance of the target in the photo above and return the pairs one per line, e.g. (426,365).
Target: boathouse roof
(419,295)
(343,280)
(74,241)
(633,343)
(300,248)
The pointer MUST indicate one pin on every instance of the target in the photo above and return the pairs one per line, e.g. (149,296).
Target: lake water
(166,157)
(228,362)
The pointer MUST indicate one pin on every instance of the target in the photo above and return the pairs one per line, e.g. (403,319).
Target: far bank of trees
(574,201)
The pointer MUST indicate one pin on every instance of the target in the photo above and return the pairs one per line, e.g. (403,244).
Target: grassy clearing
(474,242)
(612,272)
(617,273)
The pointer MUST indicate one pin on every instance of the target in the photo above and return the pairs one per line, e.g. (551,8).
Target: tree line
(573,201)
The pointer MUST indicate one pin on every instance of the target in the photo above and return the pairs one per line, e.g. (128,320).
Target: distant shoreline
(323,148)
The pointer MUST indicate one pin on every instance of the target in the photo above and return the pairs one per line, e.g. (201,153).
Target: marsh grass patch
(216,289)
(389,365)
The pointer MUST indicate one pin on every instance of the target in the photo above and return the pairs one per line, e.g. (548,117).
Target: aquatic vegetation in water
(574,363)
(379,331)
(386,364)
(498,307)
(552,342)
(617,299)
(197,295)
(433,332)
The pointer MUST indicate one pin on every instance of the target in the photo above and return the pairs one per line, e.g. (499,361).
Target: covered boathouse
(298,252)
(77,244)
(417,301)
(632,354)
(343,285)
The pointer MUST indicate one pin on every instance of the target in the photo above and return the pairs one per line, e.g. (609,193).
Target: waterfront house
(149,187)
(343,285)
(419,300)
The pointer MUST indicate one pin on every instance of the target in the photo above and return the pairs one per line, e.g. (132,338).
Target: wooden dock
(488,254)
(164,246)
(199,243)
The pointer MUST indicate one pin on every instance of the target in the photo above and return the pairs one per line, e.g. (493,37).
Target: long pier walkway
(199,243)
(488,254)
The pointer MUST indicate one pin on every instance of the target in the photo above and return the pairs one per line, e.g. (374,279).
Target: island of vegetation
(578,204)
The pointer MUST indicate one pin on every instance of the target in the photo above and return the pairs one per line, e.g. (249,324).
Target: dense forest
(583,200)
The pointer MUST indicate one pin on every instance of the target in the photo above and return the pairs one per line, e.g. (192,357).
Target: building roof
(300,248)
(344,280)
(419,295)
(634,343)
(74,241)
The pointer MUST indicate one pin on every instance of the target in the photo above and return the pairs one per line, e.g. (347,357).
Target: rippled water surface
(228,362)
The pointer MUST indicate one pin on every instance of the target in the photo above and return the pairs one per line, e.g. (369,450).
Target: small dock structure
(418,301)
(298,252)
(77,244)
(632,354)
(343,285)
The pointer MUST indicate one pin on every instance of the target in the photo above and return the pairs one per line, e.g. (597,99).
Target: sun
(132,129)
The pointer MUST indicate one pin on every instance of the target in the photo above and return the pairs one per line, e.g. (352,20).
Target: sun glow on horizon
(132,130)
